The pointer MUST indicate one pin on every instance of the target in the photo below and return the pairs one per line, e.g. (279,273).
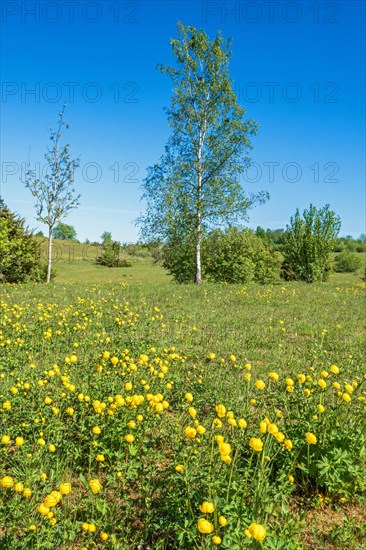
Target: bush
(178,259)
(347,262)
(308,245)
(234,256)
(20,253)
(110,255)
(239,256)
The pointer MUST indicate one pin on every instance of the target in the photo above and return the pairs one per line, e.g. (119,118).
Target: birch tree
(196,186)
(54,192)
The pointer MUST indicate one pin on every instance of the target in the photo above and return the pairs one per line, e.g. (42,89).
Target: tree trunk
(49,259)
(198,277)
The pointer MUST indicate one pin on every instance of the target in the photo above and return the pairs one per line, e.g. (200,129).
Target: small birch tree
(195,186)
(54,192)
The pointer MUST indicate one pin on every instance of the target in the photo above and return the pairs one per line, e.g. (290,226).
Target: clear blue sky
(298,68)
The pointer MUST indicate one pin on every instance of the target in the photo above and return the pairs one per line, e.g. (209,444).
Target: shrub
(347,262)
(20,253)
(110,255)
(239,256)
(308,244)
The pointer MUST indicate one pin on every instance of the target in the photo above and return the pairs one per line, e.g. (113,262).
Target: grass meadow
(137,413)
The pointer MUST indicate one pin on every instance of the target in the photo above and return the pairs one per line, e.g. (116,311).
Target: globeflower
(220,410)
(310,438)
(190,432)
(207,507)
(257,531)
(256,444)
(204,526)
(95,485)
(65,488)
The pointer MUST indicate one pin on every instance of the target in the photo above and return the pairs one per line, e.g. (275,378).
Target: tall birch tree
(196,184)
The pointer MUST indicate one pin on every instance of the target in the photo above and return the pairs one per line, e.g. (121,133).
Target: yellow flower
(256,444)
(204,526)
(128,386)
(322,383)
(334,369)
(263,426)
(310,438)
(242,423)
(42,509)
(259,384)
(179,468)
(212,356)
(346,397)
(100,458)
(307,392)
(27,492)
(207,507)
(5,440)
(216,539)
(19,487)
(96,430)
(201,429)
(190,432)
(348,388)
(257,531)
(321,408)
(289,382)
(273,428)
(7,482)
(129,438)
(301,378)
(104,536)
(222,521)
(232,358)
(189,397)
(51,448)
(19,441)
(288,444)
(192,411)
(220,410)
(65,488)
(291,479)
(95,485)
(225,448)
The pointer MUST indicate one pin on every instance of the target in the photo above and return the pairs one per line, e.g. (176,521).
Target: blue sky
(298,69)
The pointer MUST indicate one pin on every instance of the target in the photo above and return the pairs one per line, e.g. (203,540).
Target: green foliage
(195,185)
(347,262)
(64,232)
(308,244)
(239,256)
(110,256)
(233,256)
(20,255)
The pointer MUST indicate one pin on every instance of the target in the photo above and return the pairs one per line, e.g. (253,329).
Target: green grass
(288,328)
